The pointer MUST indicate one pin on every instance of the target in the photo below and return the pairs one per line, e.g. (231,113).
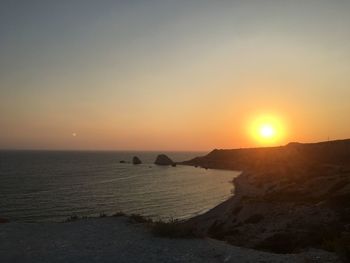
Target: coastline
(109,238)
(286,208)
(55,186)
(288,199)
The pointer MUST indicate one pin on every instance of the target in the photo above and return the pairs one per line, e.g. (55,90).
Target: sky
(172,75)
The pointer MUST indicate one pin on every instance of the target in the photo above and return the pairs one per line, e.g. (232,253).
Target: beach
(115,239)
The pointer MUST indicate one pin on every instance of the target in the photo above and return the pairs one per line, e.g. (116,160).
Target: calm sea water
(51,186)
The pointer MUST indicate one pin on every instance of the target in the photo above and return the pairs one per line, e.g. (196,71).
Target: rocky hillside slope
(287,199)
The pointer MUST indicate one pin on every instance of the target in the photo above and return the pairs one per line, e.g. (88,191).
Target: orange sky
(172,76)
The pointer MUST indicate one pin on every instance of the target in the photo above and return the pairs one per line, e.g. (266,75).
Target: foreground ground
(117,240)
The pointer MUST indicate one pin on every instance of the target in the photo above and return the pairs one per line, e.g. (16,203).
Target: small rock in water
(162,159)
(136,160)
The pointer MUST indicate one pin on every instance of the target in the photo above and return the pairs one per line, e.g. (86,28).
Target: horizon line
(97,150)
(158,150)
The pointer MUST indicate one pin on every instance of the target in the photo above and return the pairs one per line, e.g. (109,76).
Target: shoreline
(287,204)
(157,191)
(224,250)
(288,198)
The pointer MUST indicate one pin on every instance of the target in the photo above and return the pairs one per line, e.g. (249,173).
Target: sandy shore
(116,240)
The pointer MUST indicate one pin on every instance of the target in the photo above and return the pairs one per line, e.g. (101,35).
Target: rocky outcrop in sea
(163,159)
(136,160)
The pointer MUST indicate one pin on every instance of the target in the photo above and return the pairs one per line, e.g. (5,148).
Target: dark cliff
(296,154)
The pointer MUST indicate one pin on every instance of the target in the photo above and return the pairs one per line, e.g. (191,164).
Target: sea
(51,186)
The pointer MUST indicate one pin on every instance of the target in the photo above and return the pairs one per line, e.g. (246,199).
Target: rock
(136,160)
(122,161)
(162,159)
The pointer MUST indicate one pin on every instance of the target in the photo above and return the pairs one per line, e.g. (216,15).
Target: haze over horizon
(172,75)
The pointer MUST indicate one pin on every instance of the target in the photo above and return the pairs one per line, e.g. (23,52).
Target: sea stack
(136,160)
(162,159)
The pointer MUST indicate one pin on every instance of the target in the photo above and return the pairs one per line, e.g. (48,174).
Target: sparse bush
(340,245)
(136,218)
(118,214)
(237,210)
(291,241)
(216,230)
(338,186)
(72,218)
(279,243)
(232,232)
(254,219)
(270,188)
(172,229)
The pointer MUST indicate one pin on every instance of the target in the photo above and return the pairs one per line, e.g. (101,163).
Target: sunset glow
(229,117)
(170,75)
(267,130)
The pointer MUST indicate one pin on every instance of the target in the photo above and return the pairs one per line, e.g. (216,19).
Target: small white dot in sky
(74,134)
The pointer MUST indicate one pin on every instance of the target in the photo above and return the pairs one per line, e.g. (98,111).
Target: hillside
(287,199)
(293,154)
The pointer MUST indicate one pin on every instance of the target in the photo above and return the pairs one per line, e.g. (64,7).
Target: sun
(267,130)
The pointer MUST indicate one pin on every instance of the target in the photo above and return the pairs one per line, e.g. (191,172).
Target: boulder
(162,159)
(136,160)
(122,161)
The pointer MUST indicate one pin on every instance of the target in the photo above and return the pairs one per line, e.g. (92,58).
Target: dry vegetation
(289,198)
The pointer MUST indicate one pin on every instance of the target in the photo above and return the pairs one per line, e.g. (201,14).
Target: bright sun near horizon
(173,75)
(267,130)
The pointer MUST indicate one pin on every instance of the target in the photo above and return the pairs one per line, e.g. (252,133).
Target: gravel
(116,240)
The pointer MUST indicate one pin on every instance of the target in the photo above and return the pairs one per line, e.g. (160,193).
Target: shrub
(254,219)
(118,214)
(237,210)
(172,229)
(340,244)
(280,243)
(338,186)
(72,218)
(216,230)
(136,218)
